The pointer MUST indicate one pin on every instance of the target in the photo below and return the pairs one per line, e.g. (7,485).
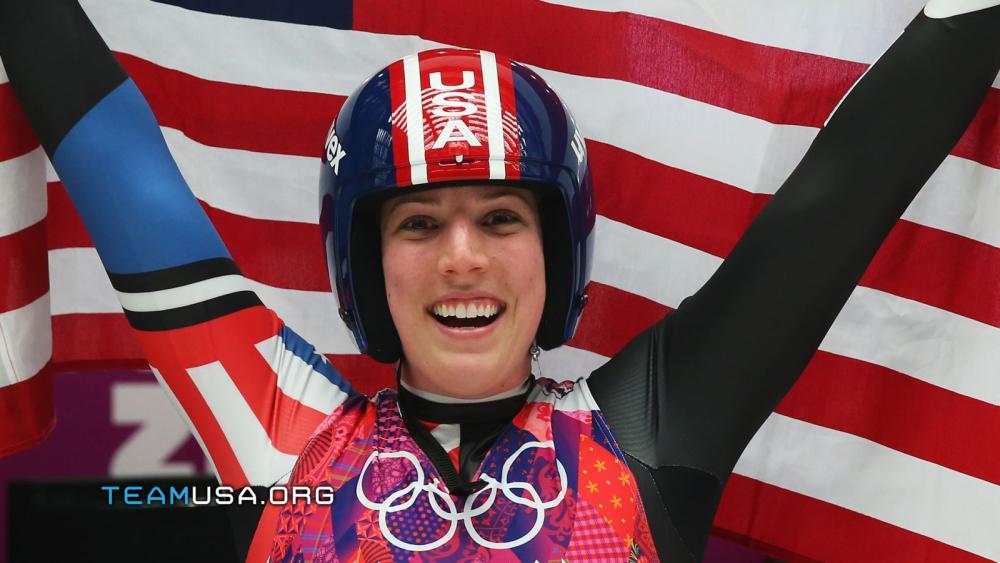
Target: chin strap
(480,424)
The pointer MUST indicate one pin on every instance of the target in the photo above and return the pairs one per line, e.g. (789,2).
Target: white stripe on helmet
(494,123)
(414,121)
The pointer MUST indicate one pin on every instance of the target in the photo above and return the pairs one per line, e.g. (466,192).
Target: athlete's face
(465,280)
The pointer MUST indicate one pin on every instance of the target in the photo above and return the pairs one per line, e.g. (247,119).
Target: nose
(462,250)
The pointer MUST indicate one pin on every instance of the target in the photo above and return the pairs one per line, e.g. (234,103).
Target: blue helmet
(453,116)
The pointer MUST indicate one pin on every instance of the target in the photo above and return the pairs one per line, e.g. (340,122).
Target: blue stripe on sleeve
(137,208)
(337,14)
(307,353)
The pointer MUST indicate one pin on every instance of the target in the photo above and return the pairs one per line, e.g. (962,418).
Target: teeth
(466,311)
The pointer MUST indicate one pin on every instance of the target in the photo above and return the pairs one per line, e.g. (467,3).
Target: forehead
(450,194)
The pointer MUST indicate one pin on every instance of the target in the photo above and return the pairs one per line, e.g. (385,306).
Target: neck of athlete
(444,399)
(450,386)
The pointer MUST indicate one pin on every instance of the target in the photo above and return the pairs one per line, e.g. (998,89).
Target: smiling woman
(458,219)
(465,283)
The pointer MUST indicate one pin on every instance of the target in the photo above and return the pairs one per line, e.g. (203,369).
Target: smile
(475,313)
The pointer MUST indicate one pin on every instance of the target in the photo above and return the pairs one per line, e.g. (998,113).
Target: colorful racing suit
(554,485)
(683,399)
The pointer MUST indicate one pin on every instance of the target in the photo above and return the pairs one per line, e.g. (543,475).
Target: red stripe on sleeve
(200,413)
(287,422)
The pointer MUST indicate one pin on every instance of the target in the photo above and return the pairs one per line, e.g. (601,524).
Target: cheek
(526,264)
(538,283)
(399,266)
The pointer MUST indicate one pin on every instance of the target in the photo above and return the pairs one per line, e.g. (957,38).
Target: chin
(473,370)
(466,374)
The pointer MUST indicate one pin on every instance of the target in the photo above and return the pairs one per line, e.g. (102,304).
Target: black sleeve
(58,65)
(687,395)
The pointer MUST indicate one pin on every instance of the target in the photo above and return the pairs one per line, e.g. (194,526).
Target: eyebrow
(519,193)
(409,198)
(428,199)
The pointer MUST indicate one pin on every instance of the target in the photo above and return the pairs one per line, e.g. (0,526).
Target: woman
(502,227)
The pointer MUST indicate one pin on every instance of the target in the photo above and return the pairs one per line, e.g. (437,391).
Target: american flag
(694,111)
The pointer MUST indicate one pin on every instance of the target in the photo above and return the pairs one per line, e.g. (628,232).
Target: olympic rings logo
(450,512)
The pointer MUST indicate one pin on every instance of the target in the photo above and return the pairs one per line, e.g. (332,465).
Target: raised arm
(714,369)
(252,390)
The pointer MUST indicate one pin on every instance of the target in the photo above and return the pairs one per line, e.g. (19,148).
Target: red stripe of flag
(16,136)
(981,141)
(220,114)
(284,253)
(643,50)
(925,421)
(24,271)
(921,263)
(795,527)
(612,318)
(770,83)
(94,341)
(939,268)
(670,202)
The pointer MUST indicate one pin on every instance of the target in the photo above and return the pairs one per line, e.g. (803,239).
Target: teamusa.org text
(219,495)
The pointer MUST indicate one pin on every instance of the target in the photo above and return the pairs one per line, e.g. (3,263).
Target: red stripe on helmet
(454,113)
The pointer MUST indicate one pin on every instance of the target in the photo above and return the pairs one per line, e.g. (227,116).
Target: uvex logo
(334,150)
